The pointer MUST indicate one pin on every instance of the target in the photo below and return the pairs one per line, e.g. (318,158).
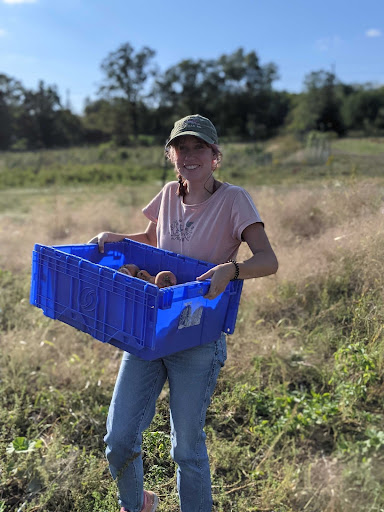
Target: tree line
(137,103)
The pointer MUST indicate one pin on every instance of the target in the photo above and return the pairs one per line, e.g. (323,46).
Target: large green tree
(126,74)
(182,86)
(11,95)
(363,109)
(319,106)
(235,90)
(43,122)
(246,94)
(37,121)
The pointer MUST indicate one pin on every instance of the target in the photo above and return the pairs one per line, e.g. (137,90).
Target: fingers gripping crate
(82,287)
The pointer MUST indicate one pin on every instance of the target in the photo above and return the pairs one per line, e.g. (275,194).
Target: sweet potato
(130,269)
(165,278)
(146,276)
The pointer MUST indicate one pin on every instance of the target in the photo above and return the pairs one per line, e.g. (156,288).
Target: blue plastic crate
(80,286)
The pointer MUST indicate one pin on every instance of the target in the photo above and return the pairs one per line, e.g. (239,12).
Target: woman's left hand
(220,277)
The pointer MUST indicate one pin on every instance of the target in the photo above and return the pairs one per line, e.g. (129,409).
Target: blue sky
(64,41)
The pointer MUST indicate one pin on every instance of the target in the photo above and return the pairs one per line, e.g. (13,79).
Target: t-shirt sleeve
(151,211)
(244,213)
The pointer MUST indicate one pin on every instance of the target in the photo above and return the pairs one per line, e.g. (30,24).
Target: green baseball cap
(196,125)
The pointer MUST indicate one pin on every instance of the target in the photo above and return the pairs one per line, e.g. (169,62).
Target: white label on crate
(189,318)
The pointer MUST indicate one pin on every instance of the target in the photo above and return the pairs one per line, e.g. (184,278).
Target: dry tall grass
(309,226)
(314,230)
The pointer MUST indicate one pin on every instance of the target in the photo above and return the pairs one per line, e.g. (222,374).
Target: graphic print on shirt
(181,232)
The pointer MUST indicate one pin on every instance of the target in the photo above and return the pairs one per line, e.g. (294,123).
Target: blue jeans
(192,376)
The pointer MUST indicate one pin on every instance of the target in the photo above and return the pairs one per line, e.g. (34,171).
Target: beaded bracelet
(236,276)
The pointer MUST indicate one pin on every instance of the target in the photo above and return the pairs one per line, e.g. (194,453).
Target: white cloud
(19,1)
(328,43)
(2,32)
(373,32)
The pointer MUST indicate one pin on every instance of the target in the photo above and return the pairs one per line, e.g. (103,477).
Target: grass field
(279,161)
(296,423)
(370,146)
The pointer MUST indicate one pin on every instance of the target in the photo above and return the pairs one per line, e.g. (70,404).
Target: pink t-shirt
(209,231)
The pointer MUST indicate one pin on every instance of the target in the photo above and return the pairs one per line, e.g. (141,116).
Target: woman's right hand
(104,237)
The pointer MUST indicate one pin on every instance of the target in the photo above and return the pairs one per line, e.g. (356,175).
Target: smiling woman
(188,152)
(206,219)
(196,160)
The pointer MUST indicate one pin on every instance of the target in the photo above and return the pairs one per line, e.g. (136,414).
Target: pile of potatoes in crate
(162,279)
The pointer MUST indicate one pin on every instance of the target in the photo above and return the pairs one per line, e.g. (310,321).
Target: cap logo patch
(192,124)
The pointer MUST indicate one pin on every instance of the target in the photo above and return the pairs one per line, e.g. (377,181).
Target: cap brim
(205,138)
